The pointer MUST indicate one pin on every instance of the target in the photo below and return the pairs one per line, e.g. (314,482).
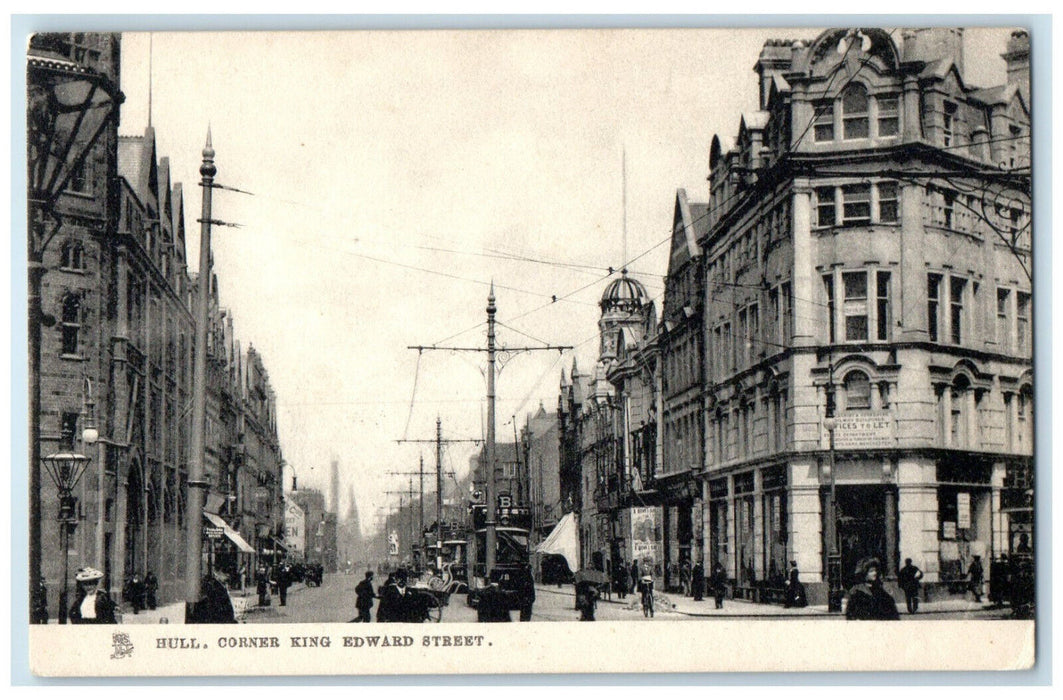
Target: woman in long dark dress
(795,590)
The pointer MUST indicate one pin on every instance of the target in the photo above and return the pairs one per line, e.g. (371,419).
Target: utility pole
(492,350)
(439,487)
(420,503)
(197,485)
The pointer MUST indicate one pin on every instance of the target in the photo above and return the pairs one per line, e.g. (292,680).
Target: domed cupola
(624,294)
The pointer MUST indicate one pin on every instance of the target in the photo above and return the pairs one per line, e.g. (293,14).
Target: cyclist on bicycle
(646,591)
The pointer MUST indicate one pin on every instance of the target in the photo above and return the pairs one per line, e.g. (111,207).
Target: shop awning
(233,535)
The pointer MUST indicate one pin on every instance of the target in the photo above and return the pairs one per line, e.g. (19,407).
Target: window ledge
(74,270)
(72,357)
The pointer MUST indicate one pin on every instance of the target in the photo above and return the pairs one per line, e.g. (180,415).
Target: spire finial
(207,169)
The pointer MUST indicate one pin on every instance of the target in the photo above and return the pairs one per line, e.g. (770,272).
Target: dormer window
(949,124)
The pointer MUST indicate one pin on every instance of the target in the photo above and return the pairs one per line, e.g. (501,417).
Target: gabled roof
(684,237)
(940,69)
(753,121)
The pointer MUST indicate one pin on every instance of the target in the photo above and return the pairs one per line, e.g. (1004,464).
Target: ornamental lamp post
(834,557)
(69,106)
(65,470)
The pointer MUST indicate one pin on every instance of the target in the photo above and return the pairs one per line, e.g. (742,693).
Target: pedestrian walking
(91,605)
(525,584)
(719,584)
(795,590)
(284,580)
(908,579)
(395,599)
(364,595)
(620,579)
(262,585)
(39,614)
(586,599)
(684,576)
(697,581)
(868,600)
(134,593)
(999,574)
(635,575)
(976,577)
(151,591)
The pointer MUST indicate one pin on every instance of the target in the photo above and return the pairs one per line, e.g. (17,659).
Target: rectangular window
(754,332)
(828,287)
(882,306)
(825,208)
(1022,318)
(68,431)
(742,341)
(889,115)
(854,112)
(856,204)
(933,305)
(888,211)
(787,311)
(949,124)
(957,286)
(728,343)
(855,309)
(823,119)
(948,206)
(1003,323)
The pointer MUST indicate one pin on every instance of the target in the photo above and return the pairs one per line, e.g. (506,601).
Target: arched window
(857,391)
(855,112)
(71,324)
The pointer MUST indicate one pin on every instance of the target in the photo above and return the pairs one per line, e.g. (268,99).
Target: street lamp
(834,557)
(68,108)
(65,469)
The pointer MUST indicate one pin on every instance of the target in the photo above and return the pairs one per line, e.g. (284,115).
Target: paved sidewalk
(707,608)
(245,605)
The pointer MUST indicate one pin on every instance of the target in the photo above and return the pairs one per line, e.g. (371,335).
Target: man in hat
(908,579)
(868,600)
(91,605)
(364,598)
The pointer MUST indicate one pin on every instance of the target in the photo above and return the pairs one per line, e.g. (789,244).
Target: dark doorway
(865,522)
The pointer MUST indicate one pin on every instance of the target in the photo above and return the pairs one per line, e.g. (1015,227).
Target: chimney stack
(1017,59)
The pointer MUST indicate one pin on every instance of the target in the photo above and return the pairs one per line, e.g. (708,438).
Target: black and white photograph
(354,340)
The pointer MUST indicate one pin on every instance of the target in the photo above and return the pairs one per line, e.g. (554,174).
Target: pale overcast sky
(397,173)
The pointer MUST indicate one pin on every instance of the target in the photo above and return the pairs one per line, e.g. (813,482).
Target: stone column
(805,311)
(806,519)
(918,514)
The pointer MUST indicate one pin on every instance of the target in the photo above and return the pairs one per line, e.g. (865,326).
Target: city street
(333,601)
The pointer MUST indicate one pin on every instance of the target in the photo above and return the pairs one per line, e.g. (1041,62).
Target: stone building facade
(867,274)
(119,359)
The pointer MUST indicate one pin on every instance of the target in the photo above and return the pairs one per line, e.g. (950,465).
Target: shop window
(888,114)
(857,391)
(855,102)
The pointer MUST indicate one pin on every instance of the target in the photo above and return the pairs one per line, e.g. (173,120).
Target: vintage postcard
(671,344)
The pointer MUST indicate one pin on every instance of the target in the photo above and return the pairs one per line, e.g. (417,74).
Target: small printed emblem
(122,646)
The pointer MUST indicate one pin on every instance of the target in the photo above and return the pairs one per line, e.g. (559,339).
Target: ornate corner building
(867,305)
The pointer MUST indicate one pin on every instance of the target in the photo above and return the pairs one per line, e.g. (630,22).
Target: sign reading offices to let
(862,431)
